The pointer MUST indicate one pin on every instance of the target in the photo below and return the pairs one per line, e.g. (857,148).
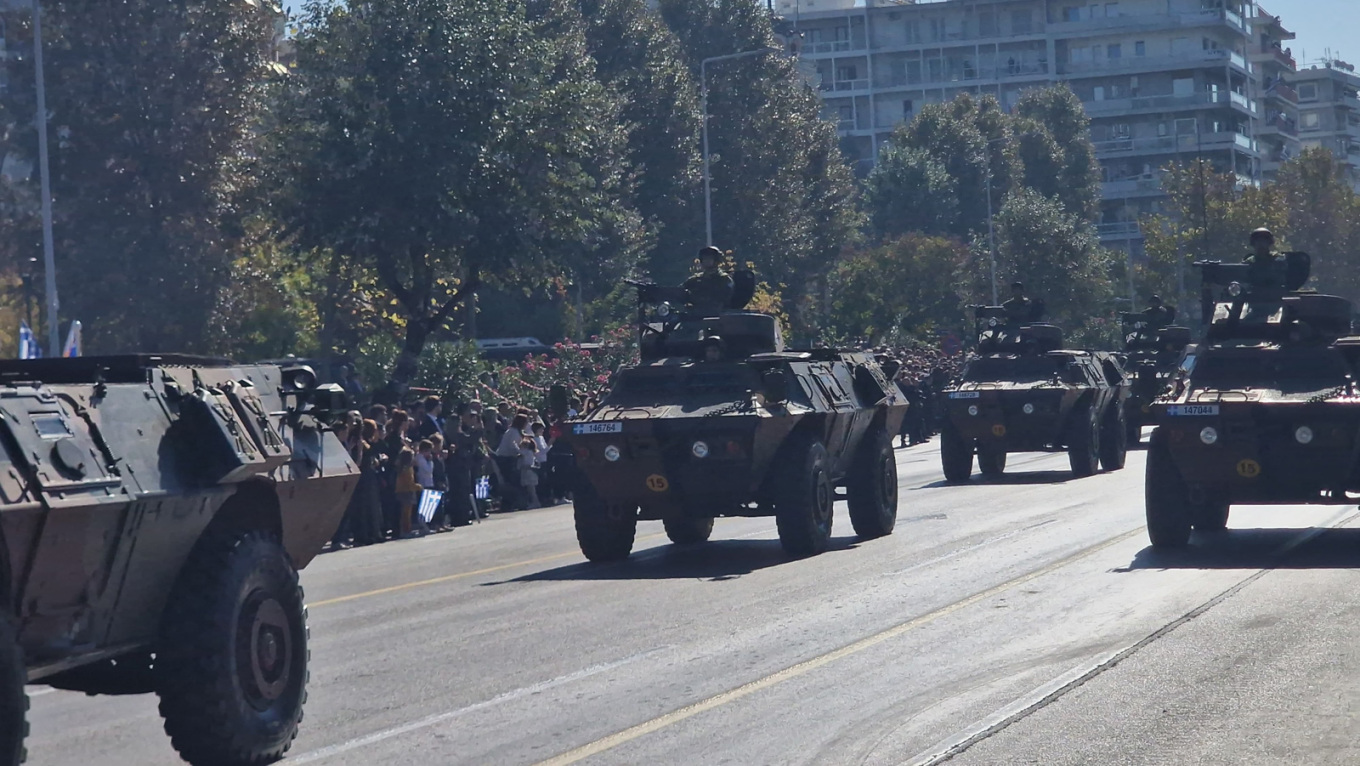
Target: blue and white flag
(72,347)
(429,503)
(28,343)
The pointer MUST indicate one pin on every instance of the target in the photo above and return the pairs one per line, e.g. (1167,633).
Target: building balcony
(1131,187)
(1282,125)
(840,86)
(1119,230)
(835,46)
(1148,21)
(972,74)
(1279,56)
(1183,144)
(1150,63)
(1120,106)
(1283,92)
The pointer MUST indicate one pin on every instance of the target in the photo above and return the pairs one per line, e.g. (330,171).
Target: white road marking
(423,723)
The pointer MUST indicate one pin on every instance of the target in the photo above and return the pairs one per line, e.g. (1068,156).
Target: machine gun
(669,324)
(998,332)
(1251,302)
(1143,335)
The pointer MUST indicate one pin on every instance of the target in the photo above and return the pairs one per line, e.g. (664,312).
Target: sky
(1320,24)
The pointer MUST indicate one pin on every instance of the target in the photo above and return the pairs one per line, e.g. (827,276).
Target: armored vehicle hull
(1264,412)
(162,505)
(1025,396)
(770,434)
(1151,354)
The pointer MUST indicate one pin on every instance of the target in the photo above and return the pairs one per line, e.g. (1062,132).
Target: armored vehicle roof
(123,368)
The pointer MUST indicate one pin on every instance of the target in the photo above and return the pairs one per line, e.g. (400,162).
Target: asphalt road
(1022,620)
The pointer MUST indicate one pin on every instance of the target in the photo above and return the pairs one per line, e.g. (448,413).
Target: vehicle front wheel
(604,533)
(956,454)
(688,531)
(1211,516)
(1114,446)
(1166,496)
(804,501)
(1083,443)
(991,460)
(231,668)
(13,700)
(1133,425)
(871,492)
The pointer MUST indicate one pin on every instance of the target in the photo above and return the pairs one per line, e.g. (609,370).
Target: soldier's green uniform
(710,291)
(1159,316)
(1267,268)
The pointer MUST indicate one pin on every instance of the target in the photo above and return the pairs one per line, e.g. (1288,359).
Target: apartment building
(1162,80)
(1329,112)
(1277,133)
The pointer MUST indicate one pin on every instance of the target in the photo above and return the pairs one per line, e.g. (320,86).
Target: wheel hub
(269,650)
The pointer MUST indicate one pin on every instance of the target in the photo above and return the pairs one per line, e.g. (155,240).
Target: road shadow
(1017,479)
(1257,549)
(715,561)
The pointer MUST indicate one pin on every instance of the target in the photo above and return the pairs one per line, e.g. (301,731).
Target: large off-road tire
(231,667)
(991,460)
(13,700)
(604,533)
(1133,425)
(1114,446)
(1083,443)
(688,531)
(1210,515)
(956,454)
(804,499)
(1166,496)
(871,489)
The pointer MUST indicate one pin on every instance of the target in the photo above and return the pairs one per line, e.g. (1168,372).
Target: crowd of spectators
(923,374)
(483,458)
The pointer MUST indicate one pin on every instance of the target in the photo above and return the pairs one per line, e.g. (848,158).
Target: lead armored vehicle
(1265,412)
(154,511)
(1152,354)
(1023,392)
(719,419)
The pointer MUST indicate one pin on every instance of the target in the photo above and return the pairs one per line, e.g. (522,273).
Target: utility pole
(703,97)
(49,260)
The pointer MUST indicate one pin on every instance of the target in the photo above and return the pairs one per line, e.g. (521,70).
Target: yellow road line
(807,666)
(452,577)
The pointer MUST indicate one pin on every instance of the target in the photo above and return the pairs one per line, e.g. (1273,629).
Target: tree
(783,198)
(445,143)
(911,190)
(908,286)
(1064,118)
(1323,219)
(150,108)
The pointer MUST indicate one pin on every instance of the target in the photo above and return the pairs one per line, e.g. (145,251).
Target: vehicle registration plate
(581,429)
(1190,410)
(965,395)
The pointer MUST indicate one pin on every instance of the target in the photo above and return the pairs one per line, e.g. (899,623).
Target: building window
(907,107)
(1311,120)
(847,113)
(1120,130)
(987,24)
(844,73)
(1021,22)
(936,30)
(1140,48)
(1112,10)
(1308,92)
(1114,51)
(1072,13)
(913,31)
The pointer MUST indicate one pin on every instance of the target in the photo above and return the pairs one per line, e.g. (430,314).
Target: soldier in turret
(1267,268)
(1158,315)
(1018,307)
(710,291)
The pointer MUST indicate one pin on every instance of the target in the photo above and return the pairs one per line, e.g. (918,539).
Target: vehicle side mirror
(776,386)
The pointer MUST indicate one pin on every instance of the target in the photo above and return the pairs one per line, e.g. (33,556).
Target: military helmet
(1262,233)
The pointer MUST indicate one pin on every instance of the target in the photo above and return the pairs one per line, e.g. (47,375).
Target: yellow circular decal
(657,483)
(998,430)
(1248,469)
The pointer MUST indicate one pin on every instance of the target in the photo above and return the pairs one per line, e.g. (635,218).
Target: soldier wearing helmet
(1267,268)
(1158,314)
(711,289)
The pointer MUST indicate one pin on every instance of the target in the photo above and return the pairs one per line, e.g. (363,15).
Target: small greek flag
(28,344)
(429,503)
(483,490)
(72,347)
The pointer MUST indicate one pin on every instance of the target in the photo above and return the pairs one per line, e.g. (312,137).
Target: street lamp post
(991,231)
(703,95)
(49,260)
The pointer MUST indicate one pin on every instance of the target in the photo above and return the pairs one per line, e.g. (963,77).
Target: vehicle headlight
(699,450)
(1303,434)
(664,310)
(973,410)
(1208,435)
(991,322)
(612,454)
(1028,408)
(1234,289)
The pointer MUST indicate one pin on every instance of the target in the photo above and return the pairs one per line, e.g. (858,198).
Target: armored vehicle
(1151,355)
(719,419)
(154,511)
(1264,412)
(1023,392)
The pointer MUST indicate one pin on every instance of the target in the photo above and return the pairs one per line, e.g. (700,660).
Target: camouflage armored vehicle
(1264,412)
(1151,355)
(154,511)
(1023,392)
(719,419)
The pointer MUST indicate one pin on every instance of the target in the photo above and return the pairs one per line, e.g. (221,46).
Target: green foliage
(910,190)
(445,142)
(906,286)
(1324,219)
(150,107)
(1060,114)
